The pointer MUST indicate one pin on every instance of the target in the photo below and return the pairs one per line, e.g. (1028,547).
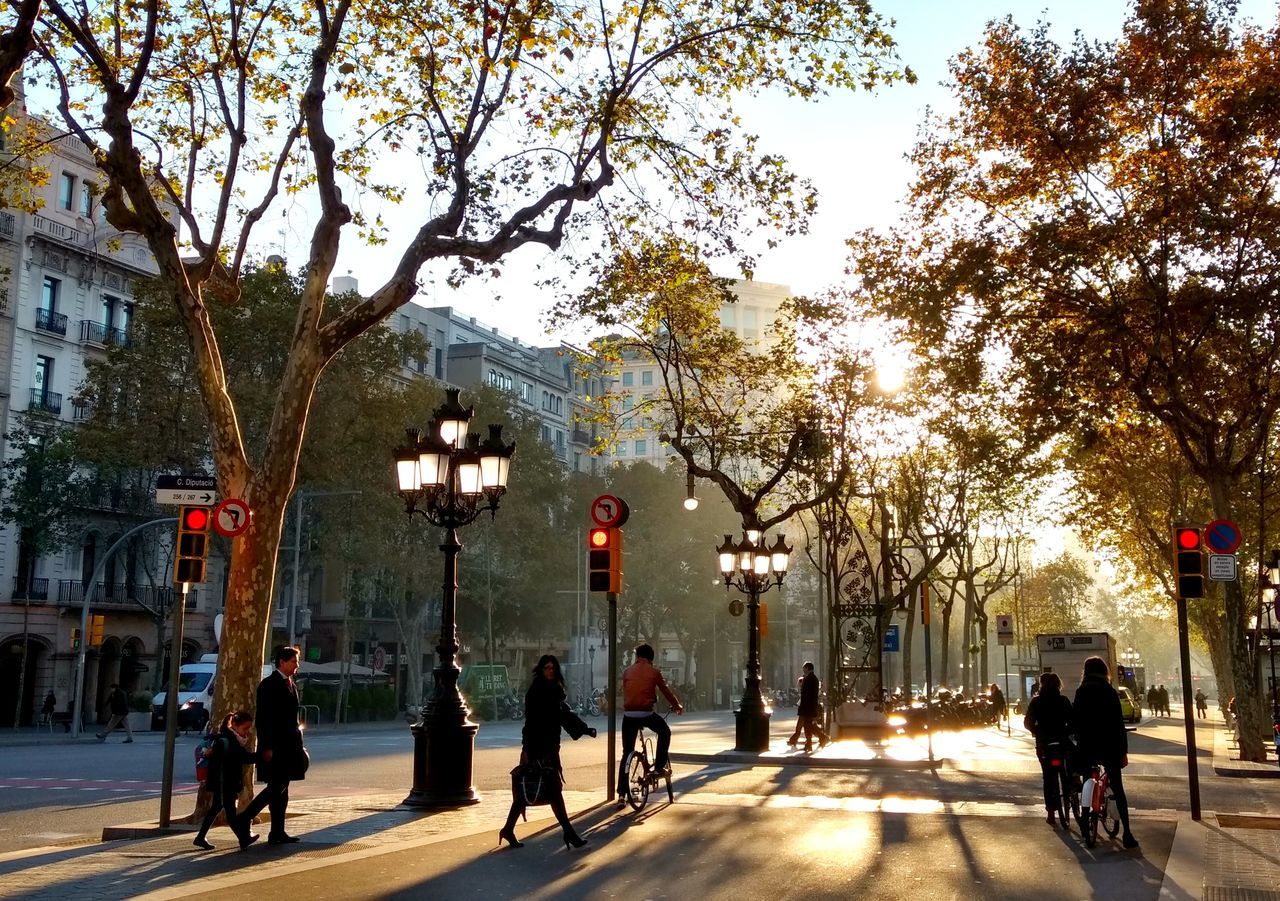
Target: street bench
(58,718)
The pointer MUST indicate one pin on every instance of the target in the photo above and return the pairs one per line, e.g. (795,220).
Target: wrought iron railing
(49,321)
(49,401)
(30,589)
(106,594)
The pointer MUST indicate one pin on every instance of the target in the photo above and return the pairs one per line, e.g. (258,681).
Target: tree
(1055,596)
(1100,222)
(39,492)
(523,114)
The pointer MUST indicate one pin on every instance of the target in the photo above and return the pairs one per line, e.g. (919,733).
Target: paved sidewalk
(1227,762)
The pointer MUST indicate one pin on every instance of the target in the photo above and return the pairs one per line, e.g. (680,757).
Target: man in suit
(283,757)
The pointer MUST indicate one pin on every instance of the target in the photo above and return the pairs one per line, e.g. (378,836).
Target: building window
(546,434)
(559,405)
(642,447)
(439,362)
(109,305)
(44,375)
(49,294)
(86,198)
(628,379)
(622,448)
(67,191)
(526,391)
(559,440)
(646,377)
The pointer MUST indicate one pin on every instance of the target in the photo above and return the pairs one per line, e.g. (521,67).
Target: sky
(851,146)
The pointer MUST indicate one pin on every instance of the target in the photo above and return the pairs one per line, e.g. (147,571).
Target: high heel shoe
(509,836)
(574,841)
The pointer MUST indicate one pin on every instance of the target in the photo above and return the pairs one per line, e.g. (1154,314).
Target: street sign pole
(1008,720)
(610,781)
(171,708)
(1188,714)
(928,665)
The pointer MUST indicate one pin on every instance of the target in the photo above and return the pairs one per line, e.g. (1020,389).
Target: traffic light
(97,629)
(764,620)
(604,560)
(1188,561)
(193,544)
(75,638)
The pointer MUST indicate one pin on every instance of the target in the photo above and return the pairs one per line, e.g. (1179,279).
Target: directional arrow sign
(232,517)
(202,497)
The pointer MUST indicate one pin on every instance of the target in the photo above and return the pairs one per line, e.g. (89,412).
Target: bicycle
(1068,785)
(1101,809)
(642,777)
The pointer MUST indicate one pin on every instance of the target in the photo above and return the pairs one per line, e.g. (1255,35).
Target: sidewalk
(1227,762)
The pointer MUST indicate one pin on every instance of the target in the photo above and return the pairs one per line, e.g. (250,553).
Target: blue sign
(1222,536)
(890,638)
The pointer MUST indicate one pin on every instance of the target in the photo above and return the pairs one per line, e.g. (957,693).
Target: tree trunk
(980,619)
(1235,612)
(944,649)
(966,655)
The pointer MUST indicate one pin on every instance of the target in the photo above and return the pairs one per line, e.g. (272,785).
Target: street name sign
(1222,567)
(891,638)
(189,490)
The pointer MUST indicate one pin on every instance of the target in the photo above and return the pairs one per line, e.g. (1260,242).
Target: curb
(1224,765)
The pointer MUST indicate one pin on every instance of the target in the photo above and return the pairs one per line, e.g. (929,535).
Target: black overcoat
(545,714)
(276,722)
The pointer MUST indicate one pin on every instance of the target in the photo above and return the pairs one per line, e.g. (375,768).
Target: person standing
(1153,701)
(545,714)
(1101,738)
(228,756)
(48,707)
(118,704)
(1202,703)
(1164,701)
(641,682)
(282,757)
(1049,720)
(808,711)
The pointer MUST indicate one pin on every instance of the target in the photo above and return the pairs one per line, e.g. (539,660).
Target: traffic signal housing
(193,544)
(1188,561)
(604,559)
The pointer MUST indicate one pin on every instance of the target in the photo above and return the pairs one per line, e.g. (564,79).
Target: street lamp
(450,477)
(1271,587)
(690,499)
(752,567)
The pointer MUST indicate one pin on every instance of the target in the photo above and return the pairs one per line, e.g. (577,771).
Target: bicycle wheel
(1111,817)
(637,770)
(1064,798)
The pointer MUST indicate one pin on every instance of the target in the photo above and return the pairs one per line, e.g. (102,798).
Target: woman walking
(228,756)
(545,714)
(1049,720)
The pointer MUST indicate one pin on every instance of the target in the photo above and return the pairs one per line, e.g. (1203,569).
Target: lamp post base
(442,755)
(751,732)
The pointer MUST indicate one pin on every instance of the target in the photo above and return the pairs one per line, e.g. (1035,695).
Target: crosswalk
(113,786)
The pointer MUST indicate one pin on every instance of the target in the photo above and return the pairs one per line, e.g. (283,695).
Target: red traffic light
(1188,539)
(195,518)
(598,538)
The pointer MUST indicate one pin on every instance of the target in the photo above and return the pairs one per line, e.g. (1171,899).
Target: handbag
(535,783)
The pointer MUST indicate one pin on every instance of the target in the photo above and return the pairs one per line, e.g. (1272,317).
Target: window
(526,391)
(559,405)
(66,190)
(642,447)
(44,375)
(86,198)
(628,379)
(439,362)
(622,449)
(546,401)
(546,434)
(493,377)
(49,294)
(559,440)
(109,305)
(646,377)
(126,317)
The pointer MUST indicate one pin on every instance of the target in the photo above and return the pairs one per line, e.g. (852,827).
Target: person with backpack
(226,756)
(118,704)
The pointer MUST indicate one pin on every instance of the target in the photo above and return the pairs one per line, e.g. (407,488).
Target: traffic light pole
(611,786)
(171,708)
(77,688)
(1188,714)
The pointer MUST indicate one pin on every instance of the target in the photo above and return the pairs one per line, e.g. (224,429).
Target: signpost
(1004,635)
(1222,536)
(1222,567)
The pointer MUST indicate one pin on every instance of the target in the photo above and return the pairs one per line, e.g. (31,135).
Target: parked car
(196,682)
(1129,707)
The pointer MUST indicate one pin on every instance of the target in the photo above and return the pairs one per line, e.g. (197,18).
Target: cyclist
(641,682)
(1049,720)
(1100,734)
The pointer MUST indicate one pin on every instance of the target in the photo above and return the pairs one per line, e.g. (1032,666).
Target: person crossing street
(118,704)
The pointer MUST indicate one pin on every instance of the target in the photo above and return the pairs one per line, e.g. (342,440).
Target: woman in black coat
(228,756)
(1049,720)
(1098,725)
(545,714)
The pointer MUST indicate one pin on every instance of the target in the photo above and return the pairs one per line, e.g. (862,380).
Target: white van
(196,682)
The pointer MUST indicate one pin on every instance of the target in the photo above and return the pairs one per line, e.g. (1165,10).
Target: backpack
(203,753)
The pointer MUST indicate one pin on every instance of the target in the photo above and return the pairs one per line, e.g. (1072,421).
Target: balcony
(121,596)
(6,225)
(46,226)
(102,335)
(581,437)
(48,401)
(49,321)
(37,590)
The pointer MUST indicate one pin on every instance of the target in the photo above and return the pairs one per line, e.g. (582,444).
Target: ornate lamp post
(450,477)
(753,568)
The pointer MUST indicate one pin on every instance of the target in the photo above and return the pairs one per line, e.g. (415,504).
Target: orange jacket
(640,682)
